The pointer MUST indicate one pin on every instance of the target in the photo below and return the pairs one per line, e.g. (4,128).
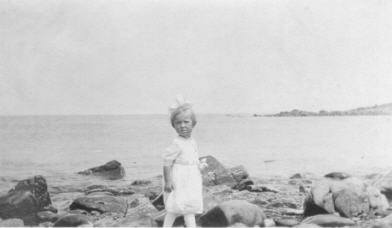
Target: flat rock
(112,170)
(286,222)
(328,220)
(100,203)
(337,175)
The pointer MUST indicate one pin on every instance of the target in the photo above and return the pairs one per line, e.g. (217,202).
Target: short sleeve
(170,154)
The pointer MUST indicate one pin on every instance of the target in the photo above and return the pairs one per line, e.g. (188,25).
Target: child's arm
(167,175)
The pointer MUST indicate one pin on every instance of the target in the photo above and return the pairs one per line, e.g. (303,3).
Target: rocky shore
(232,197)
(384,109)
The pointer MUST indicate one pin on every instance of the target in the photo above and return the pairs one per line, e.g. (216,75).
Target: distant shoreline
(376,110)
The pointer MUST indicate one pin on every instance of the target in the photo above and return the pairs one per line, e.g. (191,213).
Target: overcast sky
(123,57)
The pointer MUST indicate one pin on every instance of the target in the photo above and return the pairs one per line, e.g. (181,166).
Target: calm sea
(59,146)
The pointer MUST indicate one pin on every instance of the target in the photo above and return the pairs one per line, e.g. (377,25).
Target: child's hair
(183,108)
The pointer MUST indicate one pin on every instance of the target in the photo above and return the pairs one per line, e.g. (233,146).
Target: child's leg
(190,220)
(169,219)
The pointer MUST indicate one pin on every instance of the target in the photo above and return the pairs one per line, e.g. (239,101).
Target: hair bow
(179,102)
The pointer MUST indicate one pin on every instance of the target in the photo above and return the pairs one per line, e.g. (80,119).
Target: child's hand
(168,187)
(203,163)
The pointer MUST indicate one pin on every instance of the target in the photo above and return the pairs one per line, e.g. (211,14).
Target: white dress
(186,198)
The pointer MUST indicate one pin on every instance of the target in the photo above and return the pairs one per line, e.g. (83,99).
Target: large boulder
(26,199)
(349,203)
(349,197)
(112,170)
(231,212)
(101,203)
(215,173)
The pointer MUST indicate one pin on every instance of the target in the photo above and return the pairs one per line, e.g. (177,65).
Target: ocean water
(59,146)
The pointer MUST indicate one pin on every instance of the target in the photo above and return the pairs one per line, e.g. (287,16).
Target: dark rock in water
(112,170)
(215,173)
(12,223)
(73,221)
(349,204)
(328,221)
(231,212)
(101,203)
(243,184)
(303,176)
(286,222)
(338,175)
(239,173)
(25,200)
(141,182)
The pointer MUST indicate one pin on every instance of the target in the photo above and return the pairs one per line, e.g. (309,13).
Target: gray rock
(243,184)
(215,173)
(25,200)
(112,170)
(231,212)
(349,204)
(239,173)
(286,222)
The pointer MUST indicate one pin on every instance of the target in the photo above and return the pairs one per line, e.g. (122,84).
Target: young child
(182,178)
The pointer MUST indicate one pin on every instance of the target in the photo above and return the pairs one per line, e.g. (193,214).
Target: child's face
(183,124)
